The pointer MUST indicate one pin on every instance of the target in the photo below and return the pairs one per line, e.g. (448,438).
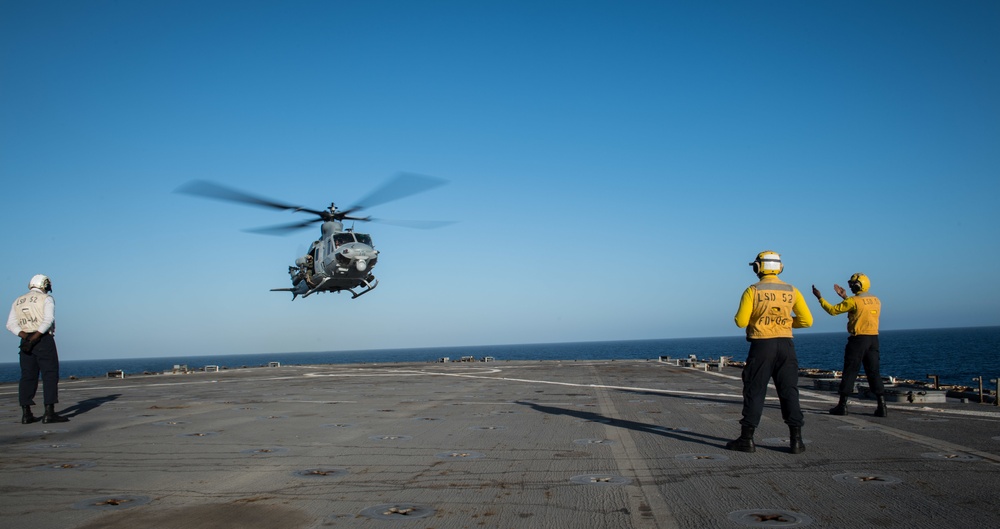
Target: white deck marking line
(292,401)
(578,385)
(815,397)
(91,388)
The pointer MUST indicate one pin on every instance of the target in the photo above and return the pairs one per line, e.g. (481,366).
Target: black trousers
(43,359)
(773,358)
(861,350)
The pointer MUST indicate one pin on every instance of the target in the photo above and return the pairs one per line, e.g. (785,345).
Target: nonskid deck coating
(505,444)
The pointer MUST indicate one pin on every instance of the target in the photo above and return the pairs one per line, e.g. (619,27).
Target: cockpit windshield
(349,236)
(342,238)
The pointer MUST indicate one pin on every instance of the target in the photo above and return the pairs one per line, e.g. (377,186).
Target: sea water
(956,355)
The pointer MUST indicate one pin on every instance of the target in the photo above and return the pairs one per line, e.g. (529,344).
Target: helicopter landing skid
(368,288)
(316,288)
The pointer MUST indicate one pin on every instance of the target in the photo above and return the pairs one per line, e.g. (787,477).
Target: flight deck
(546,444)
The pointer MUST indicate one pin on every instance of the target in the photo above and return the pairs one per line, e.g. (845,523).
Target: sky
(612,166)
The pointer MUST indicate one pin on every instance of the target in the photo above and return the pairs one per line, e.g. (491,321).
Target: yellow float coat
(771,308)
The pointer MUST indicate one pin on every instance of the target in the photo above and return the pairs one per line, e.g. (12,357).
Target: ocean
(956,355)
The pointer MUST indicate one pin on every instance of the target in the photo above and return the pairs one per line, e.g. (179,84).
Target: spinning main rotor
(400,186)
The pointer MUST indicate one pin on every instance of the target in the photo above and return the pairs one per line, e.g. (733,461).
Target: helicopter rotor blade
(204,188)
(284,229)
(400,186)
(416,224)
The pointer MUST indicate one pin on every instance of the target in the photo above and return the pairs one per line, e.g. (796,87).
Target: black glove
(28,342)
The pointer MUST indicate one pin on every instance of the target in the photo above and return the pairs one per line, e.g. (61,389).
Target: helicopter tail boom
(292,290)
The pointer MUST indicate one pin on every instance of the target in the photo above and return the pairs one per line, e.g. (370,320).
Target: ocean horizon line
(482,346)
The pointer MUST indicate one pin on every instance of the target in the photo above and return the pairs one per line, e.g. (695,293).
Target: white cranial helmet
(767,263)
(40,282)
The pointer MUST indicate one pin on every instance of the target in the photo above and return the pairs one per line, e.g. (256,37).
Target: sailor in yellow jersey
(863,310)
(770,309)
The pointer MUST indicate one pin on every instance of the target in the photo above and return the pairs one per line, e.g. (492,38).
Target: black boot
(26,415)
(745,441)
(795,439)
(50,415)
(881,410)
(841,407)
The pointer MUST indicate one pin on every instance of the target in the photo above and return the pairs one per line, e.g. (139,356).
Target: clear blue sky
(613,166)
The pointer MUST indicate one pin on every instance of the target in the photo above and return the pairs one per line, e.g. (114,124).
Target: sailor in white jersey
(32,318)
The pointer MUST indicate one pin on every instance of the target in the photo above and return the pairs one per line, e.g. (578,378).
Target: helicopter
(341,259)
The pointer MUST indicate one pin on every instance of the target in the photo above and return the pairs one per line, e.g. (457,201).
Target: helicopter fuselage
(340,260)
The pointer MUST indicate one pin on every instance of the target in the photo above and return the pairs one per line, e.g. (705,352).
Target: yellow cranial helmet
(767,263)
(859,283)
(40,282)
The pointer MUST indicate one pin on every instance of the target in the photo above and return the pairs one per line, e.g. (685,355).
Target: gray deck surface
(500,444)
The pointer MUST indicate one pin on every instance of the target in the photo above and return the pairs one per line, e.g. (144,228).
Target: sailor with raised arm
(863,311)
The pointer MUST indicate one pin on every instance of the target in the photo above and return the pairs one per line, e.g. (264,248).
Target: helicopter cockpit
(350,236)
(348,250)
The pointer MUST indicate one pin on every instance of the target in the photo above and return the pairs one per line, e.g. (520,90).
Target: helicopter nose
(359,256)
